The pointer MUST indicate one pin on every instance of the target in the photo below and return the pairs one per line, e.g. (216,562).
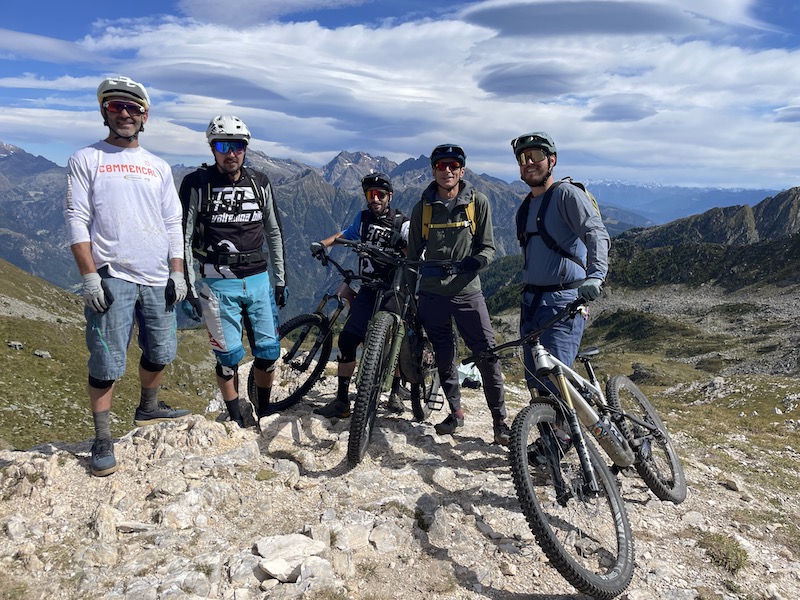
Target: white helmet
(227,127)
(125,88)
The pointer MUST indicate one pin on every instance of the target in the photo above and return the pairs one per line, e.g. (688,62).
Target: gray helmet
(123,87)
(227,127)
(536,139)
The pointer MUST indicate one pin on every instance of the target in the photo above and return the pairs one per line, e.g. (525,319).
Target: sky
(673,92)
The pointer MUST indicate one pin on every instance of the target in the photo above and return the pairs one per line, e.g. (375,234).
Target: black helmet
(536,139)
(377,180)
(448,151)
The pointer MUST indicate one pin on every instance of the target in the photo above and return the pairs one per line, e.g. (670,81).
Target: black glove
(469,264)
(317,250)
(281,295)
(192,307)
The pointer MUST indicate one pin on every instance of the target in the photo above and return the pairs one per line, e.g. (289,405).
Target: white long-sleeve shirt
(124,202)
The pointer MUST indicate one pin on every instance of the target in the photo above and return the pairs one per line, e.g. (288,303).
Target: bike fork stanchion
(576,434)
(397,341)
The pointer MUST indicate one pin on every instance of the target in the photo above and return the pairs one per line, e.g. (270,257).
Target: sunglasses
(444,165)
(379,194)
(117,106)
(532,154)
(237,146)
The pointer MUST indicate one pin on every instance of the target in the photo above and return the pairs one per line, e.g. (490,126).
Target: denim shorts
(234,306)
(109,334)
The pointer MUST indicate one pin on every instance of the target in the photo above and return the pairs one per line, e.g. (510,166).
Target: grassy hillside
(44,399)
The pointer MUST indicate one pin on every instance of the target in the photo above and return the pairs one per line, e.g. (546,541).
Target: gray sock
(102,425)
(149,399)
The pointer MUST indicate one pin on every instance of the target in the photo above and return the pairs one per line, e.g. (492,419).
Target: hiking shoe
(395,404)
(335,408)
(103,461)
(450,425)
(537,453)
(502,433)
(162,413)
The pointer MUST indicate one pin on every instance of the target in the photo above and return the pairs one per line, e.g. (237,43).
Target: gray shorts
(109,334)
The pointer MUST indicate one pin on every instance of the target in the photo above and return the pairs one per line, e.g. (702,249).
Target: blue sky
(684,92)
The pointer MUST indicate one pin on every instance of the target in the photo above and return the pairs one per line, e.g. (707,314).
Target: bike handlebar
(360,247)
(569,311)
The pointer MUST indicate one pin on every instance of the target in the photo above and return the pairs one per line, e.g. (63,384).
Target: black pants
(472,319)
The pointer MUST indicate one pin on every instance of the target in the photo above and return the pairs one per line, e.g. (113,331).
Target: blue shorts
(234,306)
(109,334)
(562,340)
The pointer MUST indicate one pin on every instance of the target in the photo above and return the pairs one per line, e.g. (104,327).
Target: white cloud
(248,12)
(17,45)
(646,107)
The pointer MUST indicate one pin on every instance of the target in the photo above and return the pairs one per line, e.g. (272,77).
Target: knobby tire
(373,368)
(587,537)
(293,377)
(424,392)
(657,461)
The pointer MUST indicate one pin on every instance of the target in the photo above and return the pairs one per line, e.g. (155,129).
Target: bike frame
(330,318)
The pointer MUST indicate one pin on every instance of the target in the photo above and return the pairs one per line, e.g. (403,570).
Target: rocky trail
(203,509)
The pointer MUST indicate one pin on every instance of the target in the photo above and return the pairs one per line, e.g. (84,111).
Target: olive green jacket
(453,243)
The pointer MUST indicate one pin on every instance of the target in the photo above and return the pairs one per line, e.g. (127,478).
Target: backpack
(206,206)
(427,215)
(397,226)
(205,179)
(522,220)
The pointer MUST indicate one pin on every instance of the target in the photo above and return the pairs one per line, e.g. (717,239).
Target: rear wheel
(373,369)
(425,393)
(306,344)
(586,535)
(656,460)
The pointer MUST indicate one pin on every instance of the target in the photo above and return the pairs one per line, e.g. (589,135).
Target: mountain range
(318,201)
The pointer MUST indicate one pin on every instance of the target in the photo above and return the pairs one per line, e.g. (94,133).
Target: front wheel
(306,345)
(656,460)
(586,535)
(373,369)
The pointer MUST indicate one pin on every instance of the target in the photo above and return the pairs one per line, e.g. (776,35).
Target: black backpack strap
(397,240)
(524,236)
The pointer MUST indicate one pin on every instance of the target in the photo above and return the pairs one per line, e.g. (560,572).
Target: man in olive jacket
(457,228)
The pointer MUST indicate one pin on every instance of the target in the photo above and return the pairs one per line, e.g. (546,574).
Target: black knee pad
(264,364)
(150,366)
(348,344)
(100,384)
(227,373)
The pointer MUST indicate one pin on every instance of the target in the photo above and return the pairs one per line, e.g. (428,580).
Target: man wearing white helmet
(124,220)
(229,216)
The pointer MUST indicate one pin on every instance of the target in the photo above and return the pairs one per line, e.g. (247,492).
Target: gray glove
(94,293)
(176,288)
(590,288)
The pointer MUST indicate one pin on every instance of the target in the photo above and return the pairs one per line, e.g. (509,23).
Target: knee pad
(150,366)
(100,384)
(348,344)
(264,364)
(226,373)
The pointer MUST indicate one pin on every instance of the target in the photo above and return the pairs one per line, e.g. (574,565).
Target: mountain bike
(394,339)
(308,339)
(569,496)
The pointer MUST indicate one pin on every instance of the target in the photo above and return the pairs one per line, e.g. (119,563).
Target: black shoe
(335,408)
(395,404)
(162,413)
(450,425)
(537,453)
(502,433)
(103,461)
